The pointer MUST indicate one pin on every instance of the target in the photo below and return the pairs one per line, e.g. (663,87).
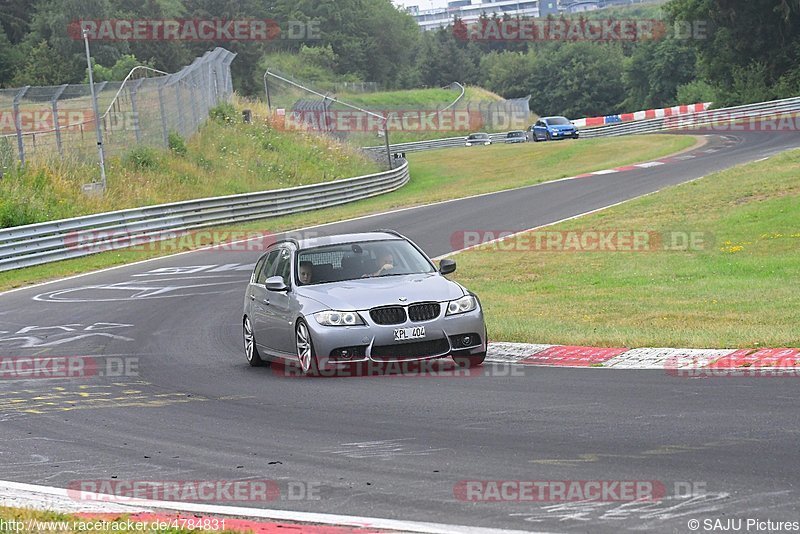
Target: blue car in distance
(550,128)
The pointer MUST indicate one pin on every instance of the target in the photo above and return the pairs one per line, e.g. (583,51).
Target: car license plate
(402,334)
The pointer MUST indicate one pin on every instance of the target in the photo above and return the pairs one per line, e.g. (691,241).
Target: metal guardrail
(688,122)
(416,146)
(37,244)
(698,120)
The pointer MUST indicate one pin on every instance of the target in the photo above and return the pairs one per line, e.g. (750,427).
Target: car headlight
(338,318)
(463,305)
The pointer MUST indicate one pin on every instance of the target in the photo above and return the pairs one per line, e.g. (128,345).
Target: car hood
(368,293)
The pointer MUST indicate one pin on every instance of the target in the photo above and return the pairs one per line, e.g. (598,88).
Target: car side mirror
(447,266)
(276,283)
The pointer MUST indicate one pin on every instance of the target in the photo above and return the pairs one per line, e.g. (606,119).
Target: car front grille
(425,311)
(388,315)
(406,351)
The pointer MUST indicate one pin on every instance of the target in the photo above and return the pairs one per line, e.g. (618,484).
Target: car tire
(305,349)
(549,137)
(535,138)
(250,348)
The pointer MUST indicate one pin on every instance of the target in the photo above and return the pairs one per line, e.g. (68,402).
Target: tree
(655,70)
(753,40)
(43,66)
(507,73)
(577,79)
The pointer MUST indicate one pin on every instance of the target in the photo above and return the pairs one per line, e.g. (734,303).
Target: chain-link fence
(58,122)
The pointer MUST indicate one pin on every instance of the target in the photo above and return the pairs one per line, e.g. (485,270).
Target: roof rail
(288,240)
(389,231)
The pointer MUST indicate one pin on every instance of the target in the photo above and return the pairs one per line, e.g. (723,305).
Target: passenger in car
(305,273)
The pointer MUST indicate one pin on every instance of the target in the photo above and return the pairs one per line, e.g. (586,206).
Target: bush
(176,144)
(696,91)
(142,157)
(224,112)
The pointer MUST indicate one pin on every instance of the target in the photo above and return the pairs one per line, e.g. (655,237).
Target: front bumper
(563,134)
(375,343)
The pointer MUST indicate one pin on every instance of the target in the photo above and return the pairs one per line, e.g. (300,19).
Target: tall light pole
(96,113)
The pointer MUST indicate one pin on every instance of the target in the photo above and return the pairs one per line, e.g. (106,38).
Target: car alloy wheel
(305,349)
(250,349)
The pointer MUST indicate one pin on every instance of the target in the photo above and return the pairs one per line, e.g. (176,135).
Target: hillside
(225,157)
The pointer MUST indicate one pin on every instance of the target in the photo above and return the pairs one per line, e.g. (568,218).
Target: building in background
(471,10)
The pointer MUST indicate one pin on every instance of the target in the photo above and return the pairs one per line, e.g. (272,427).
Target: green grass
(33,521)
(418,98)
(739,289)
(223,158)
(435,176)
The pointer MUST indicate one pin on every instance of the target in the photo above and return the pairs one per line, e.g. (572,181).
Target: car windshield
(558,121)
(479,136)
(516,134)
(350,261)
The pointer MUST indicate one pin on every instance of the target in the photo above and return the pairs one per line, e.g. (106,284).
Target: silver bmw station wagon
(331,301)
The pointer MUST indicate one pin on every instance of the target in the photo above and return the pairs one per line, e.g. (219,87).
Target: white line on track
(648,164)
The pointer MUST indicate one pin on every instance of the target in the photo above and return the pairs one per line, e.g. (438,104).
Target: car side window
(257,269)
(268,266)
(283,265)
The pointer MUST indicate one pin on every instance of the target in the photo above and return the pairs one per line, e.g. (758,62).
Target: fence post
(178,106)
(18,123)
(135,110)
(193,104)
(56,125)
(164,133)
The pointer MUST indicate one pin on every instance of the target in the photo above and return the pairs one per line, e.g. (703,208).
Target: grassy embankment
(223,158)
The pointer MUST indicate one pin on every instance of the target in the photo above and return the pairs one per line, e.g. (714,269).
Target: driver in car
(386,262)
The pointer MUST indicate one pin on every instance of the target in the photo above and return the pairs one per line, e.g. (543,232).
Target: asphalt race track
(390,446)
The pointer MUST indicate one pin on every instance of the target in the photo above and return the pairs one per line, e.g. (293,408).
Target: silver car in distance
(331,301)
